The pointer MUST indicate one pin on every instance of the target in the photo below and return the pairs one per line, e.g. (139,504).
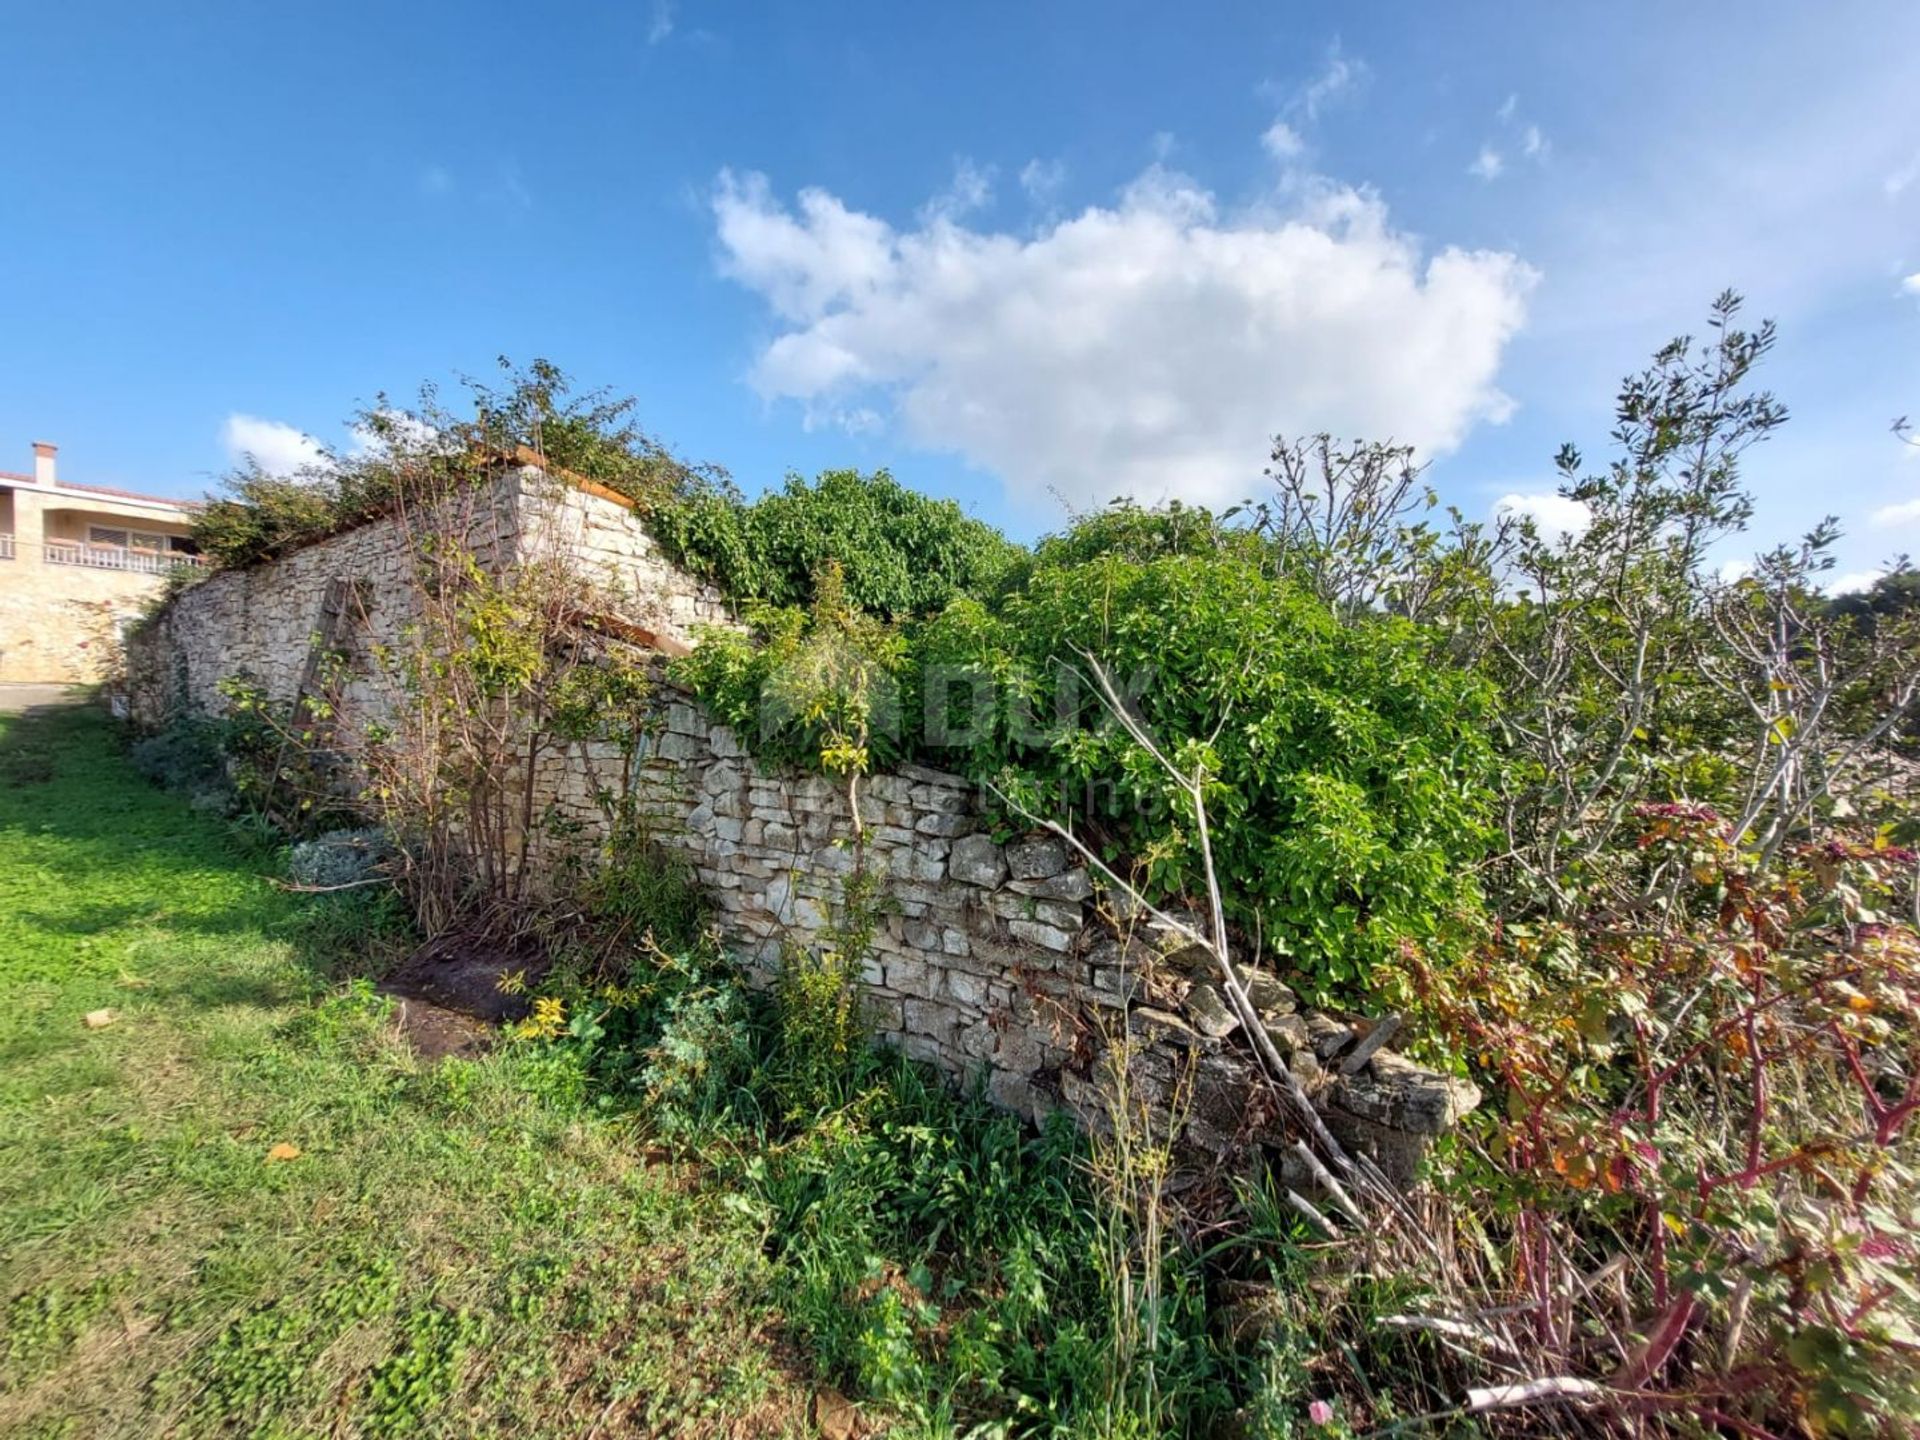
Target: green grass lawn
(455,1249)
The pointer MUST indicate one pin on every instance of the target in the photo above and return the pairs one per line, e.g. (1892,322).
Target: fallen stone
(1400,1095)
(1330,1037)
(1160,1026)
(1207,1008)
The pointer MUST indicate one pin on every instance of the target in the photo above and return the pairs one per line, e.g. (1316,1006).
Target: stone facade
(992,961)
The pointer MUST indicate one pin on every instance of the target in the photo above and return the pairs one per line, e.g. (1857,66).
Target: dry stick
(1314,1217)
(1327,1182)
(328,889)
(1454,1329)
(1552,1387)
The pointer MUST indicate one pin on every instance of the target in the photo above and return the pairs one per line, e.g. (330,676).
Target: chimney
(43,468)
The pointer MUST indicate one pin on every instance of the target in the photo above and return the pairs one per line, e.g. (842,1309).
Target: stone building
(76,563)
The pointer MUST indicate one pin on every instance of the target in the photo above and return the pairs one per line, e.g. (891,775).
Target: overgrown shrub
(902,553)
(1346,774)
(1712,1098)
(592,434)
(187,757)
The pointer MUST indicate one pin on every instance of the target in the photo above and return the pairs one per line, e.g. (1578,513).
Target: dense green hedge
(1347,774)
(902,553)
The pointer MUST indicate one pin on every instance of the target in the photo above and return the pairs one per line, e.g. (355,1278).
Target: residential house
(76,563)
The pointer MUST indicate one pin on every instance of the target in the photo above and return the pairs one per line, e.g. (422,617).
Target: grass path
(461,1249)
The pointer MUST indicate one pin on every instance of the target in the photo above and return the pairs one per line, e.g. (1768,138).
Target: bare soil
(451,995)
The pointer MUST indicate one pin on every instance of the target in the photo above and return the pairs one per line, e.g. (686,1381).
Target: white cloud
(661,25)
(1042,179)
(1532,140)
(1733,570)
(970,189)
(1282,141)
(1339,77)
(436,180)
(1151,347)
(1896,183)
(1554,516)
(277,448)
(1912,283)
(1907,512)
(1854,581)
(1300,108)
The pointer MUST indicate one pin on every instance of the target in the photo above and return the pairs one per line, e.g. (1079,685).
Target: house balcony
(114,557)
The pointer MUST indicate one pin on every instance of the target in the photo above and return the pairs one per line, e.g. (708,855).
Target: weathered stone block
(943,826)
(1070,885)
(911,977)
(675,746)
(976,860)
(1036,859)
(1207,1008)
(833,860)
(1396,1093)
(1047,937)
(1018,1050)
(928,1017)
(1288,1033)
(971,990)
(1056,913)
(946,800)
(1270,997)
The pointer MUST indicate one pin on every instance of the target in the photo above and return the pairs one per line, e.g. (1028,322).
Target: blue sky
(1022,255)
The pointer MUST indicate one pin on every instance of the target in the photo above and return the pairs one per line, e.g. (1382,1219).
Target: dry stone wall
(995,962)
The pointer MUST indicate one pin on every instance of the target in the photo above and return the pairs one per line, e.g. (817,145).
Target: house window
(138,539)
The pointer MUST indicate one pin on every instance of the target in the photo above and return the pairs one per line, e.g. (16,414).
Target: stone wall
(995,962)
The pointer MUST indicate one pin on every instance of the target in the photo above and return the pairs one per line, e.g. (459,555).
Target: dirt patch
(434,1032)
(451,1000)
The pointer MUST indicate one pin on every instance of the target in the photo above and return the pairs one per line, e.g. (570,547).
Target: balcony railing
(6,547)
(116,557)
